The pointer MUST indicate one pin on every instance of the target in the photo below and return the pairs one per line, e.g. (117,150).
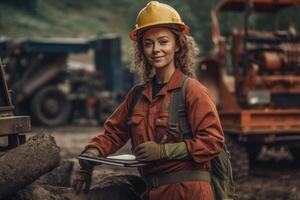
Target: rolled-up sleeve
(208,137)
(115,130)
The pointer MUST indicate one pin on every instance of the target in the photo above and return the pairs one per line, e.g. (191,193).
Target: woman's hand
(83,178)
(150,151)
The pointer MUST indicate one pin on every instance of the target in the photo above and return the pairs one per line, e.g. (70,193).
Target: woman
(178,167)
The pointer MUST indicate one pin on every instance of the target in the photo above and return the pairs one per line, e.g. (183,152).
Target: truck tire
(253,152)
(295,151)
(239,158)
(50,107)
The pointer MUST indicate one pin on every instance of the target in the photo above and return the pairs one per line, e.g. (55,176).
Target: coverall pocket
(161,125)
(137,129)
(163,134)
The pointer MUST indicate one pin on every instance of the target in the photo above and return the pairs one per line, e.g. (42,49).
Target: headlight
(258,97)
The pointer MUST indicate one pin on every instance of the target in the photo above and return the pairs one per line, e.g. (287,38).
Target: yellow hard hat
(156,13)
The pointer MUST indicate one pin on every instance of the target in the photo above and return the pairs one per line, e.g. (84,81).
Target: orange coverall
(149,123)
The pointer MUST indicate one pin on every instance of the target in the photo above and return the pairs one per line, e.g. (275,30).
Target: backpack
(221,170)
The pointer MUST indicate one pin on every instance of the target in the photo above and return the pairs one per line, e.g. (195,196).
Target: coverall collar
(174,83)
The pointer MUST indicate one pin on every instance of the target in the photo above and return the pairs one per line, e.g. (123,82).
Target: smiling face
(159,46)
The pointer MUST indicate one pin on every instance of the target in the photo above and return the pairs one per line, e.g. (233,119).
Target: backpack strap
(135,96)
(136,93)
(178,113)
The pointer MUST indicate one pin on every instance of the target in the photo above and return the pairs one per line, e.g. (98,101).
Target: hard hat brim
(133,35)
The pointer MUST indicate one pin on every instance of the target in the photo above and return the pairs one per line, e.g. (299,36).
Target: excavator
(254,78)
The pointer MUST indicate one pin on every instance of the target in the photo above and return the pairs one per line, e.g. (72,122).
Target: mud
(275,176)
(272,179)
(23,165)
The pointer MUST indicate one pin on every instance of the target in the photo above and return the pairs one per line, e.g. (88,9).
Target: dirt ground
(274,176)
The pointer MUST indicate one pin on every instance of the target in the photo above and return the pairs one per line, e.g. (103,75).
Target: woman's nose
(156,48)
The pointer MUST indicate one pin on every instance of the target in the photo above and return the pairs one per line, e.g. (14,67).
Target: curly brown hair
(184,57)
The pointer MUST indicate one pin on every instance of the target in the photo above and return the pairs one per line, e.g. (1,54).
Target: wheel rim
(51,107)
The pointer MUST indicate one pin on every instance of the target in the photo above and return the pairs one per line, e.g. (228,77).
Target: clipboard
(114,162)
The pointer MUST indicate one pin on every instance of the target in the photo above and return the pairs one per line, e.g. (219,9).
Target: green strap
(135,96)
(176,177)
(183,118)
(178,113)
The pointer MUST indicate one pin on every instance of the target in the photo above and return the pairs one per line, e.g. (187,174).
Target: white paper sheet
(122,157)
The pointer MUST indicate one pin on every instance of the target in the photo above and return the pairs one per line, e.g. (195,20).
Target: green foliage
(69,18)
(31,6)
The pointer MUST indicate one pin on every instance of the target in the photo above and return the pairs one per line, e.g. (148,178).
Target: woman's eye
(164,42)
(147,44)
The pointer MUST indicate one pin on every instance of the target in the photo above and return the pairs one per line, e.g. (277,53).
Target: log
(60,176)
(119,187)
(25,163)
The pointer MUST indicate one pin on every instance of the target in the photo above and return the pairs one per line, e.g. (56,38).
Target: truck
(55,91)
(254,78)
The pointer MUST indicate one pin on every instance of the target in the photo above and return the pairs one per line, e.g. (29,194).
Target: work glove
(83,178)
(150,151)
(176,151)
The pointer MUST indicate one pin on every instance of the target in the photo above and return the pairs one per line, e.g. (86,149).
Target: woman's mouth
(157,58)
